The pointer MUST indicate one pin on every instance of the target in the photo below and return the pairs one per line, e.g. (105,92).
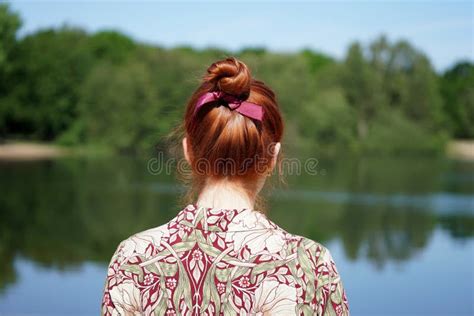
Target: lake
(401,230)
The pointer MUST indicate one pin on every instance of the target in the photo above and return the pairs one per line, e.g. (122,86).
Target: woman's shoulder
(314,255)
(321,280)
(141,244)
(126,275)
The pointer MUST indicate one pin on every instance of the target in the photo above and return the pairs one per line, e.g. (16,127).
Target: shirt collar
(223,220)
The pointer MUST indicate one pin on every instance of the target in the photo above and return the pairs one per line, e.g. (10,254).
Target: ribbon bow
(251,110)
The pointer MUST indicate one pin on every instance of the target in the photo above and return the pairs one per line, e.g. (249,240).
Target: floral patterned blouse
(222,262)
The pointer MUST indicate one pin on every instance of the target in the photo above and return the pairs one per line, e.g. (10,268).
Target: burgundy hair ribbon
(249,109)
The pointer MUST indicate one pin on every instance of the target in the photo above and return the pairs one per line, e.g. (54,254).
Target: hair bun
(230,76)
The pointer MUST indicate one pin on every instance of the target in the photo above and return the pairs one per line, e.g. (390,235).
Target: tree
(457,87)
(316,60)
(363,91)
(411,83)
(111,46)
(389,86)
(9,25)
(131,106)
(47,71)
(49,68)
(118,106)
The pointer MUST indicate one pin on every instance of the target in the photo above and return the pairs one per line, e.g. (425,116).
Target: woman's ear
(185,150)
(275,151)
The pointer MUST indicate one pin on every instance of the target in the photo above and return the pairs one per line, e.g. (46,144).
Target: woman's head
(220,142)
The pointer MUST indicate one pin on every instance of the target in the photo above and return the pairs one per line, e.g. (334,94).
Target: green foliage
(111,46)
(385,77)
(327,121)
(253,50)
(105,90)
(409,136)
(48,70)
(394,91)
(120,106)
(9,25)
(315,60)
(363,88)
(458,93)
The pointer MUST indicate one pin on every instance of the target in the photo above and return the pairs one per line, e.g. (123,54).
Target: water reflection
(63,213)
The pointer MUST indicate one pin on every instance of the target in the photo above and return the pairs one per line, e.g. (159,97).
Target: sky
(444,30)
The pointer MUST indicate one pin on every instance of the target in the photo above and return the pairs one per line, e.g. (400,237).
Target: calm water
(400,230)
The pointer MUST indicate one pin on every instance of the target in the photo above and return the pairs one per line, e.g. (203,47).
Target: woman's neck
(224,194)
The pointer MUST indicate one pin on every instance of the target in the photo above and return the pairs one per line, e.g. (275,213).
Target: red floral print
(222,262)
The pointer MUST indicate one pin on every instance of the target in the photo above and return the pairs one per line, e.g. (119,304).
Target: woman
(219,255)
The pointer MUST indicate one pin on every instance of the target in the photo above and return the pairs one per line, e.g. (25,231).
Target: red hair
(223,141)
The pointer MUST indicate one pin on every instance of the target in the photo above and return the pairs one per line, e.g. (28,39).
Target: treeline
(106,90)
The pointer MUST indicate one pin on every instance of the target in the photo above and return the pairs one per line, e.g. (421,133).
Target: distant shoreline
(461,149)
(456,149)
(30,151)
